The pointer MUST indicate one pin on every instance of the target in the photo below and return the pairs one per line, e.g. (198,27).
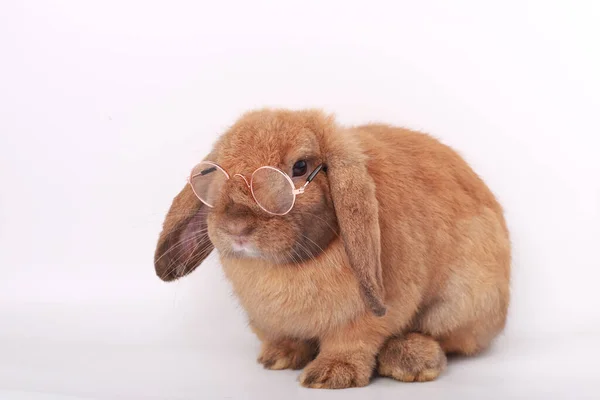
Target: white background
(105,106)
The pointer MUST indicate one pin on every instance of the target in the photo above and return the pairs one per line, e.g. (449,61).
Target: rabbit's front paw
(335,373)
(286,354)
(412,358)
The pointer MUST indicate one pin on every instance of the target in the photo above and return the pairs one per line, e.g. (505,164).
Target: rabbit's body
(400,197)
(445,273)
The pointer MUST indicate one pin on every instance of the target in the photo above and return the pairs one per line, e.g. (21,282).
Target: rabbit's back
(445,245)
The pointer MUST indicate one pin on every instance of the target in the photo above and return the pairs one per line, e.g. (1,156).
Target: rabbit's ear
(183,243)
(353,194)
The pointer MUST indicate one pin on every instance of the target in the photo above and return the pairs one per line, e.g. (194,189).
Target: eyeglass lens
(271,188)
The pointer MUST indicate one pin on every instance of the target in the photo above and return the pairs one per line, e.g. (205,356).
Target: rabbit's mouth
(244,249)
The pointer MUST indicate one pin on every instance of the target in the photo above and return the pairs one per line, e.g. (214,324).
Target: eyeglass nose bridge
(244,178)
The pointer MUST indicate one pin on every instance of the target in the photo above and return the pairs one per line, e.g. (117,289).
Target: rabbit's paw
(335,373)
(286,354)
(412,358)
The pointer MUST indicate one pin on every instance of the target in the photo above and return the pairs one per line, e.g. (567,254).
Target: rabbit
(393,254)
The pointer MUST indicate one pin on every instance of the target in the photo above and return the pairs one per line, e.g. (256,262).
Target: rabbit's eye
(300,168)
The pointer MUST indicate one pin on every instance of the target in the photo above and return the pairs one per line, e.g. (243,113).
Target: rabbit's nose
(238,228)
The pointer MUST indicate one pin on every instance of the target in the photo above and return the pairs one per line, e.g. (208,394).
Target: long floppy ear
(183,243)
(353,194)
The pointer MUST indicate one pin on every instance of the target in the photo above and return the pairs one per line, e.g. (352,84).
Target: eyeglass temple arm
(203,172)
(311,176)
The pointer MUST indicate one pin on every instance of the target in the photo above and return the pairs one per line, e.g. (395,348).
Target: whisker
(306,251)
(174,262)
(194,236)
(180,246)
(200,245)
(291,256)
(320,218)
(299,260)
(326,254)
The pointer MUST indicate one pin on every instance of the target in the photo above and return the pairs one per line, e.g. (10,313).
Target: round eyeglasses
(272,189)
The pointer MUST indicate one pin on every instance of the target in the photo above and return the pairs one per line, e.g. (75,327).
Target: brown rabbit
(393,254)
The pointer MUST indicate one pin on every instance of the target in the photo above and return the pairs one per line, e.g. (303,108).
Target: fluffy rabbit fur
(394,257)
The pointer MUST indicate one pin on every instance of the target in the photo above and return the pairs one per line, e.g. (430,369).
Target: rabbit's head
(280,186)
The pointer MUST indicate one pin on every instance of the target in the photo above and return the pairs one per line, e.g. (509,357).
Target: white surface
(105,107)
(514,369)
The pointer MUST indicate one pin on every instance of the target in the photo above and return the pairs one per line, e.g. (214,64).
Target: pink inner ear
(184,249)
(194,237)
